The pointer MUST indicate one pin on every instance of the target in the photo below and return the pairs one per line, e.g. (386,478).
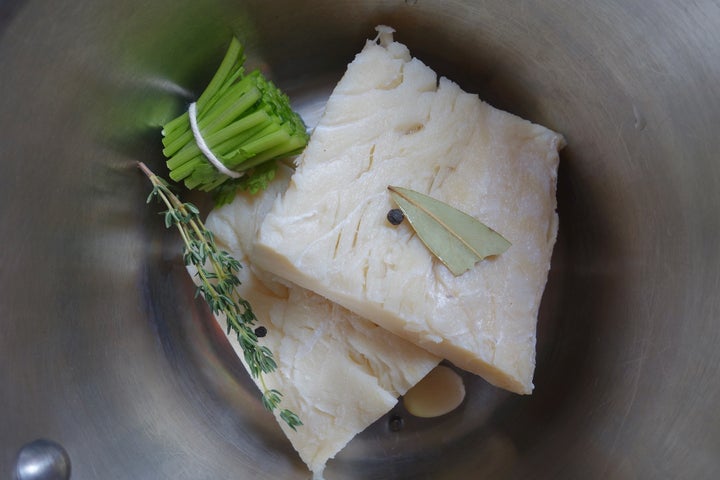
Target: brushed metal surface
(103,350)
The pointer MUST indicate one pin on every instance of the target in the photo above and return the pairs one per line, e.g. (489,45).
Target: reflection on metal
(42,460)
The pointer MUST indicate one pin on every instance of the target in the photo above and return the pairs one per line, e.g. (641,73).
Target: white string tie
(200,141)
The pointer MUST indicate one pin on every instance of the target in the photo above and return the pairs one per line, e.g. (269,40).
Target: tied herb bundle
(216,272)
(245,121)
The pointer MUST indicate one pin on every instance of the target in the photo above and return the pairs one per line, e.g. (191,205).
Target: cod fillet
(390,121)
(337,371)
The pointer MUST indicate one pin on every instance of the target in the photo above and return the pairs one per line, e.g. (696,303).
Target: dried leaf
(454,237)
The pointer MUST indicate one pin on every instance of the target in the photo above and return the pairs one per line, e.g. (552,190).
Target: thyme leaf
(216,271)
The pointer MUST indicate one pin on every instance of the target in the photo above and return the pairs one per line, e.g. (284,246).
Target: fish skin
(337,371)
(391,121)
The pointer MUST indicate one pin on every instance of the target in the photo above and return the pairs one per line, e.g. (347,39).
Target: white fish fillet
(390,121)
(337,371)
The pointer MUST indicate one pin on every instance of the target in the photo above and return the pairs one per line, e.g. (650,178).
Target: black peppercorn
(260,332)
(396,423)
(395,216)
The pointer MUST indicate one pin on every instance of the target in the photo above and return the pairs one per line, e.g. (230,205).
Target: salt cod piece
(389,121)
(337,371)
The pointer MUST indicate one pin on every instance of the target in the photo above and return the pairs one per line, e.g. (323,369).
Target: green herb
(454,237)
(246,122)
(216,271)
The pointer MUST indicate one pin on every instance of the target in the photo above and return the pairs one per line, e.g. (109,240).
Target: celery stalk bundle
(247,123)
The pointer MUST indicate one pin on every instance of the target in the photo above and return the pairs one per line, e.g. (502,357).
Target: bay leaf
(457,239)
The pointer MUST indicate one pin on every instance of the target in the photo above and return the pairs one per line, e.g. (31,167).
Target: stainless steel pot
(104,352)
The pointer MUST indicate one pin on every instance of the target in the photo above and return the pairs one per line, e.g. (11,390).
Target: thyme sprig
(217,273)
